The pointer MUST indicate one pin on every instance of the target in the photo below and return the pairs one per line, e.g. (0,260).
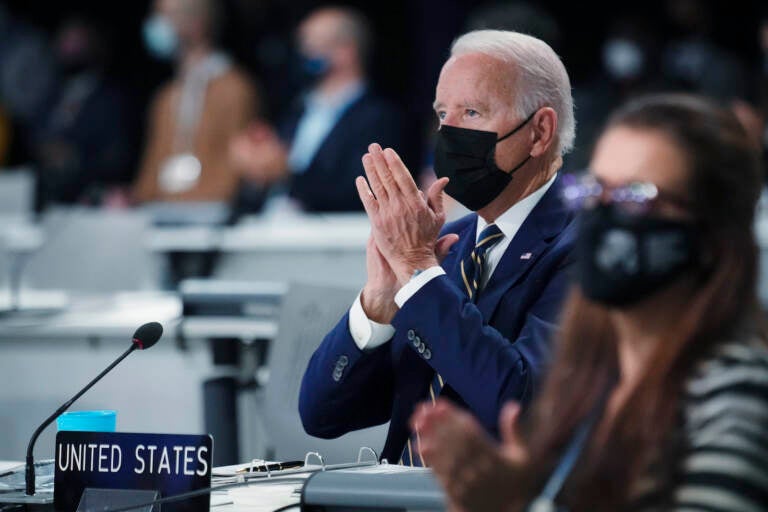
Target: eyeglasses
(584,191)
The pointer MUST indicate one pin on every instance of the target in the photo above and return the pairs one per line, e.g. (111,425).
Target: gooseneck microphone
(144,337)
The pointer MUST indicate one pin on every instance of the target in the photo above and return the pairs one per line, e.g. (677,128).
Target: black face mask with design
(624,258)
(468,158)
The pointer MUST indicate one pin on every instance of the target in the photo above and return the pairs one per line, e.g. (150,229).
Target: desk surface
(303,232)
(97,316)
(117,317)
(363,487)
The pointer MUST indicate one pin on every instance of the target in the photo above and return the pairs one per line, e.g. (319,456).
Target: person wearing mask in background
(657,397)
(28,78)
(193,117)
(629,58)
(754,114)
(310,162)
(476,328)
(693,60)
(87,143)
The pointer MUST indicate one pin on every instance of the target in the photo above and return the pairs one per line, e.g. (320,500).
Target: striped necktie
(471,274)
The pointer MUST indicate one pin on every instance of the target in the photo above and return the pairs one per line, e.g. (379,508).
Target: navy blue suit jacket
(328,184)
(488,353)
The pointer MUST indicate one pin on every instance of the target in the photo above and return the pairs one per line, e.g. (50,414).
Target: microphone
(144,337)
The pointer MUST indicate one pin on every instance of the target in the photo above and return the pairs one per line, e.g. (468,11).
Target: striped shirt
(724,464)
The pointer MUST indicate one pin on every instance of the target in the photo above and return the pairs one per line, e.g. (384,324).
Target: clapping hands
(405,224)
(476,473)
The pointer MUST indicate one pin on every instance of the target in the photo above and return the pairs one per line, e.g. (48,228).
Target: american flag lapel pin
(526,256)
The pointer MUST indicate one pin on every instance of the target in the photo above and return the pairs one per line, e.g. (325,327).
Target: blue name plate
(169,463)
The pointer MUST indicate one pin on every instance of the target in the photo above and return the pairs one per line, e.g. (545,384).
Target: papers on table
(282,488)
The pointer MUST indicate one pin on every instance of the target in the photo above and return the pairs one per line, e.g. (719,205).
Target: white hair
(541,79)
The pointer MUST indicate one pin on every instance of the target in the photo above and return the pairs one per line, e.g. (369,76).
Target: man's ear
(544,132)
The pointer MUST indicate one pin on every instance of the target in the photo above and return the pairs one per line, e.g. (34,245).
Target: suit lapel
(546,220)
(461,250)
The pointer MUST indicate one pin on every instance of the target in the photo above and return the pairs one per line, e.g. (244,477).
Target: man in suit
(194,115)
(476,326)
(311,160)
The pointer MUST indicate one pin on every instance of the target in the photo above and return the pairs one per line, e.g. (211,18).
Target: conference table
(363,486)
(252,233)
(69,326)
(312,249)
(46,315)
(58,340)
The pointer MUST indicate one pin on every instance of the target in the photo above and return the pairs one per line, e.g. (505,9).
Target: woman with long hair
(657,395)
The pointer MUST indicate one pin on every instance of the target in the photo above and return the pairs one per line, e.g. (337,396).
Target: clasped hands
(405,224)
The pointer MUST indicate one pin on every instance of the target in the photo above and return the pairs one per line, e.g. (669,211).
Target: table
(366,488)
(59,315)
(304,232)
(318,249)
(48,355)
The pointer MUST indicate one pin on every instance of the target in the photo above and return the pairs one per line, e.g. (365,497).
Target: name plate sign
(169,463)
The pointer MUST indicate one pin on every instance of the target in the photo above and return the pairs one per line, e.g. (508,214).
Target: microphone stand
(29,472)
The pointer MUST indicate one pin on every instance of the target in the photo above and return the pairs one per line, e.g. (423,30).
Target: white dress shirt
(368,334)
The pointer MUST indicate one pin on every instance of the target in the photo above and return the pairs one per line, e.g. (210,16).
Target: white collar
(511,220)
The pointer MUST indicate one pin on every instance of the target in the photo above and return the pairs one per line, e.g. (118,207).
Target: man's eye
(472,113)
(441,115)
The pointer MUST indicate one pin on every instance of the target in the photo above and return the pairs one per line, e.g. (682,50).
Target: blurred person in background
(194,116)
(629,62)
(310,161)
(28,80)
(692,61)
(263,35)
(752,111)
(87,141)
(27,69)
(657,397)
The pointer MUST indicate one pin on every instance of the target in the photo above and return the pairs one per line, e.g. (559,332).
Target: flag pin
(526,256)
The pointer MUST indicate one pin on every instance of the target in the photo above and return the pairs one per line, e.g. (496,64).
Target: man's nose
(450,120)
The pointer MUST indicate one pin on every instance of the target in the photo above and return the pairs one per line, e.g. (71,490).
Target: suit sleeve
(344,388)
(477,361)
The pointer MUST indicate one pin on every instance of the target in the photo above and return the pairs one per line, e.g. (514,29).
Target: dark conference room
(416,255)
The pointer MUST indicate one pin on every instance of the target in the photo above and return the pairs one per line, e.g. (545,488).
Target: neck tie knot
(472,266)
(489,237)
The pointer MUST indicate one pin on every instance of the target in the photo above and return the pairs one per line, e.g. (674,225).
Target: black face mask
(315,69)
(624,258)
(467,158)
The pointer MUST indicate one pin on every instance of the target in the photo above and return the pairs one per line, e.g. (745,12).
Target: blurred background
(192,161)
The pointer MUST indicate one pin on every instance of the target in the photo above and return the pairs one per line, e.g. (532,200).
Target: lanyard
(192,99)
(545,501)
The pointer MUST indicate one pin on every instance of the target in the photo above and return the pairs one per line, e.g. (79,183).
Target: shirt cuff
(416,283)
(366,333)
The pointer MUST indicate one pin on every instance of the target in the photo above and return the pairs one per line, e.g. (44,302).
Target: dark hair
(724,185)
